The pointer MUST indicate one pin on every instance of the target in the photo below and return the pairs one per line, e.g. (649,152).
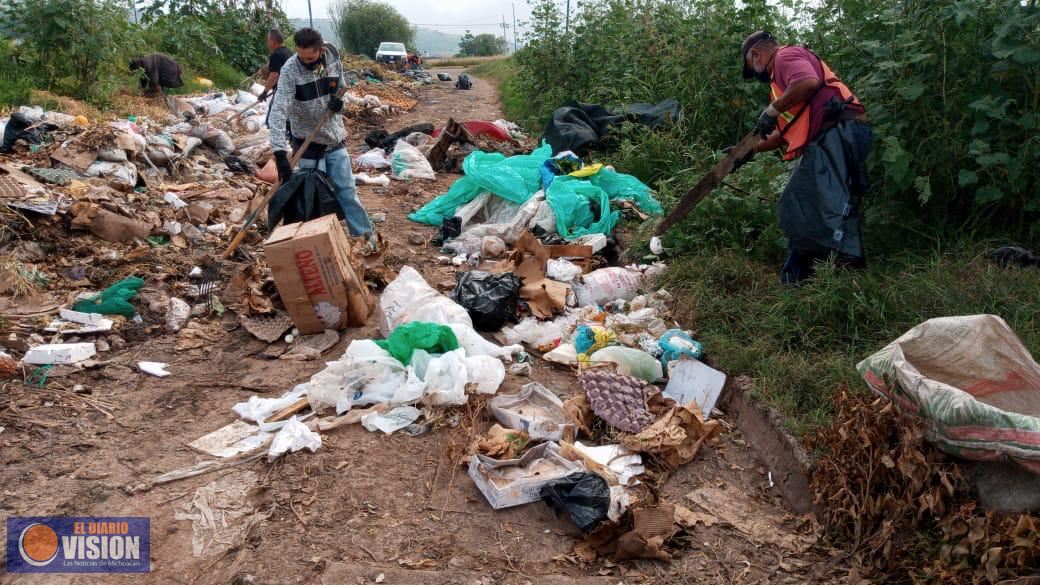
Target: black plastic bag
(15,129)
(451,228)
(585,497)
(308,195)
(464,82)
(490,299)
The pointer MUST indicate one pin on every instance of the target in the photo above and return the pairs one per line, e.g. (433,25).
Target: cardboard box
(514,482)
(321,289)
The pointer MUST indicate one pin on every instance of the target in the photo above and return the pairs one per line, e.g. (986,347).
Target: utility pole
(504,26)
(310,16)
(514,29)
(567,25)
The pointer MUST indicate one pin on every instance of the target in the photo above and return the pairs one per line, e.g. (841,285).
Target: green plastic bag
(114,300)
(515,178)
(621,187)
(571,201)
(407,338)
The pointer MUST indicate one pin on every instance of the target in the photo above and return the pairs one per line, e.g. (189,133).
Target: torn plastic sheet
(391,421)
(257,409)
(293,437)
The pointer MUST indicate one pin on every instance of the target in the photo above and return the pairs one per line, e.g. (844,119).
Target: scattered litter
(693,381)
(366,179)
(521,369)
(675,438)
(391,421)
(267,328)
(410,298)
(221,514)
(624,464)
(583,497)
(293,437)
(619,400)
(157,369)
(535,411)
(59,353)
(490,299)
(177,315)
(515,482)
(230,440)
(630,362)
(258,409)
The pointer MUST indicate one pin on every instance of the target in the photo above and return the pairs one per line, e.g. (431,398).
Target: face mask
(313,65)
(761,73)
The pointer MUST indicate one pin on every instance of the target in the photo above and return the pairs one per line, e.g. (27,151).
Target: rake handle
(278,183)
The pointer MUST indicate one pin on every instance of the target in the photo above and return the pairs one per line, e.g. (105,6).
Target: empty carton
(515,482)
(536,411)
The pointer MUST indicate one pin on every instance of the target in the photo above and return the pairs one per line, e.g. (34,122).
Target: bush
(15,82)
(363,24)
(74,47)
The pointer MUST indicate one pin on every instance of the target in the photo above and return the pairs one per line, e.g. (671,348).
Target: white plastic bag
(562,270)
(373,159)
(408,163)
(291,438)
(409,298)
(366,374)
(446,378)
(391,421)
(486,372)
(474,344)
(257,409)
(244,97)
(533,333)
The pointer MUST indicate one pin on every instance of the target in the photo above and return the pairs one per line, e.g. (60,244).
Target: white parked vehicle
(392,54)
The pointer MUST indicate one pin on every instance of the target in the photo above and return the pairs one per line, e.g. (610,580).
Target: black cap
(750,43)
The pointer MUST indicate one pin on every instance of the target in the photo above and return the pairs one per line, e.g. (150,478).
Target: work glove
(767,121)
(263,96)
(281,160)
(742,160)
(335,104)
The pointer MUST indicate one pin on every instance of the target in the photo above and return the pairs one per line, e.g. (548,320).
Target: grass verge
(801,345)
(463,61)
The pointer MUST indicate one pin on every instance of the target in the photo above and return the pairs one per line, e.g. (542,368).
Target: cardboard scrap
(579,410)
(245,296)
(267,328)
(106,225)
(75,156)
(640,534)
(544,296)
(674,438)
(502,443)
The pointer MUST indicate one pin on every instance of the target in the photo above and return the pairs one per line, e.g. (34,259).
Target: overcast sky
(453,16)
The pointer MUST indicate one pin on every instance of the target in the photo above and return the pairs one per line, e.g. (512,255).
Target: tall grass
(462,61)
(800,345)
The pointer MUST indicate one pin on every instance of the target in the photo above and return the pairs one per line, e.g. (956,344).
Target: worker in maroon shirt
(817,119)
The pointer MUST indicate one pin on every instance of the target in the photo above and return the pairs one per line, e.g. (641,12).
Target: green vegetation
(482,45)
(463,61)
(363,24)
(951,88)
(81,48)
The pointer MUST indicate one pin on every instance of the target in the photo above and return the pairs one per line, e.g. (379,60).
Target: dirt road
(364,505)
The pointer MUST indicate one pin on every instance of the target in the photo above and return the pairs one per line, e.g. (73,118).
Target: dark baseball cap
(750,43)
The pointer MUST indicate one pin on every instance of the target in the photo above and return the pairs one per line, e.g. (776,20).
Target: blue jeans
(336,165)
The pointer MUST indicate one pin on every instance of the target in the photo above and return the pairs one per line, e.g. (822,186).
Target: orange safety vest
(794,123)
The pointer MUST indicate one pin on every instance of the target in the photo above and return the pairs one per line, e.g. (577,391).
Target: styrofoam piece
(514,482)
(624,463)
(59,353)
(81,318)
(230,440)
(157,369)
(535,410)
(71,328)
(693,381)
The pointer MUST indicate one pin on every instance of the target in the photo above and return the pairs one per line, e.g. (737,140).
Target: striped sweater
(302,98)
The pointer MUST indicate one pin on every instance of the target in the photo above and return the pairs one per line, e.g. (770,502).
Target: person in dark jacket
(279,55)
(160,71)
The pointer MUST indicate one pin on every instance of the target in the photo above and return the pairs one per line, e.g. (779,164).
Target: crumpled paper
(674,438)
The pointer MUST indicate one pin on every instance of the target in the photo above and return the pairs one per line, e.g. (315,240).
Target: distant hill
(437,43)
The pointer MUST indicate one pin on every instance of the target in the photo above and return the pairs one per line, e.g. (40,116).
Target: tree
(363,24)
(482,45)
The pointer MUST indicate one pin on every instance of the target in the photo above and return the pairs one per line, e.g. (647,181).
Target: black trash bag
(451,228)
(239,165)
(585,497)
(490,299)
(464,82)
(576,126)
(1016,255)
(381,139)
(308,195)
(14,130)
